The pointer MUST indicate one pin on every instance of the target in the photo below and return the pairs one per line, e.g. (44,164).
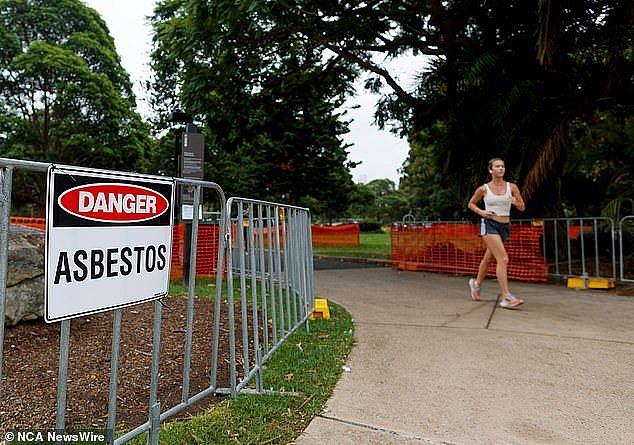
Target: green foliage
(64,97)
(269,105)
(378,200)
(502,78)
(599,177)
(362,202)
(542,103)
(431,196)
(370,226)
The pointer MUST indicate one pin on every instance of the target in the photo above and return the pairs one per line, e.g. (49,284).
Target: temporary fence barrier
(36,223)
(270,255)
(156,415)
(345,235)
(455,247)
(537,249)
(626,249)
(206,252)
(580,247)
(208,241)
(279,269)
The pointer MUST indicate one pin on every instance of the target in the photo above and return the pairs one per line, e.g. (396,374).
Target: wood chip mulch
(31,356)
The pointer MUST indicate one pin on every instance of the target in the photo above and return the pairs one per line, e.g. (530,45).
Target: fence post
(254,288)
(230,301)
(154,374)
(278,270)
(265,315)
(269,241)
(114,375)
(62,375)
(191,288)
(6,177)
(220,268)
(243,287)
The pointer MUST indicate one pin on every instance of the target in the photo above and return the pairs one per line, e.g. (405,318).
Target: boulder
(25,278)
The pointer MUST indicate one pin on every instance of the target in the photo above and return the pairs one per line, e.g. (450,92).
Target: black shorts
(492,227)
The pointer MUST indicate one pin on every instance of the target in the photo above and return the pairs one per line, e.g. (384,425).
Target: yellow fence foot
(321,309)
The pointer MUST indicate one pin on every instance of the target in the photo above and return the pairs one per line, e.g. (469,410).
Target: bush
(370,226)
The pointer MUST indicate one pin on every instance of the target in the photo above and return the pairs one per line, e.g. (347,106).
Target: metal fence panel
(554,247)
(626,252)
(580,247)
(269,275)
(267,245)
(154,407)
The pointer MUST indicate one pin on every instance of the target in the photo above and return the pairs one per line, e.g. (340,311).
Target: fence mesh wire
(346,235)
(455,247)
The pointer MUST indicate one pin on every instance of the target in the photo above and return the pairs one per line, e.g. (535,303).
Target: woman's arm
(516,198)
(475,199)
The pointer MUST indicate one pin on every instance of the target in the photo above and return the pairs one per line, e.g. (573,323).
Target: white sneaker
(510,301)
(474,289)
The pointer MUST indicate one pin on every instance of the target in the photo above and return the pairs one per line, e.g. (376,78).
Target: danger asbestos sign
(108,242)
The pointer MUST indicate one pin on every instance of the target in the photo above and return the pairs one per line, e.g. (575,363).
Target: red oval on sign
(113,202)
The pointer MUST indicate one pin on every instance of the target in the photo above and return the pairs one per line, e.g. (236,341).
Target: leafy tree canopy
(64,96)
(270,106)
(504,78)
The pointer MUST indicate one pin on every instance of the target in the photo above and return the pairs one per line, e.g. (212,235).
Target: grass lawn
(307,363)
(372,245)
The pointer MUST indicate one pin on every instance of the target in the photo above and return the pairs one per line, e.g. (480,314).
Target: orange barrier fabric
(206,251)
(345,235)
(37,223)
(574,232)
(257,233)
(457,248)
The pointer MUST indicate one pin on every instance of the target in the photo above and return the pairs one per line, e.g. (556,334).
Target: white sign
(187,212)
(108,241)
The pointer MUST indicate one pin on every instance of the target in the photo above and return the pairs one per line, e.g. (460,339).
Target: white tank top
(500,204)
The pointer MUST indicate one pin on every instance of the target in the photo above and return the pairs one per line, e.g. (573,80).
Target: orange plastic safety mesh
(257,233)
(206,251)
(457,248)
(38,223)
(345,235)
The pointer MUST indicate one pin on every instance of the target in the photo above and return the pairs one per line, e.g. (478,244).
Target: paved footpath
(433,367)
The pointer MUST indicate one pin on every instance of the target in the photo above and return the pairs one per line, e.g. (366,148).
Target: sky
(381,153)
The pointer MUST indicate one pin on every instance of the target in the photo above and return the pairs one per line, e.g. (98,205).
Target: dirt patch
(31,356)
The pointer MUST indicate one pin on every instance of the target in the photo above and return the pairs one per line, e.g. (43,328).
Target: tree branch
(400,92)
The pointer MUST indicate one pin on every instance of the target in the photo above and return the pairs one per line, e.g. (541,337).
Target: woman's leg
(496,247)
(484,266)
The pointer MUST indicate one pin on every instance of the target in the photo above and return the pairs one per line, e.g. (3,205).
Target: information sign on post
(108,241)
(192,163)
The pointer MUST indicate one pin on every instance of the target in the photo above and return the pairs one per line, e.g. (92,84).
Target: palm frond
(554,150)
(546,34)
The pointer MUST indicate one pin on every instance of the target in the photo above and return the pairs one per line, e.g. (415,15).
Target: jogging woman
(495,228)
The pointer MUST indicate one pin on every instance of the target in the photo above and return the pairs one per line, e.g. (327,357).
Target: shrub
(370,226)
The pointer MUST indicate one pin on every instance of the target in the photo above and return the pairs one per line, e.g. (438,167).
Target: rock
(25,278)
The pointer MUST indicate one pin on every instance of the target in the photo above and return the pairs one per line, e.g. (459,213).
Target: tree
(391,204)
(509,93)
(378,201)
(510,78)
(269,107)
(64,97)
(362,203)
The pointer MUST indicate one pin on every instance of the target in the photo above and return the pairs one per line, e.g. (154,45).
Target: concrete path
(433,367)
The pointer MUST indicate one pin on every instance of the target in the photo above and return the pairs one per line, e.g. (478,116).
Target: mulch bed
(31,356)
